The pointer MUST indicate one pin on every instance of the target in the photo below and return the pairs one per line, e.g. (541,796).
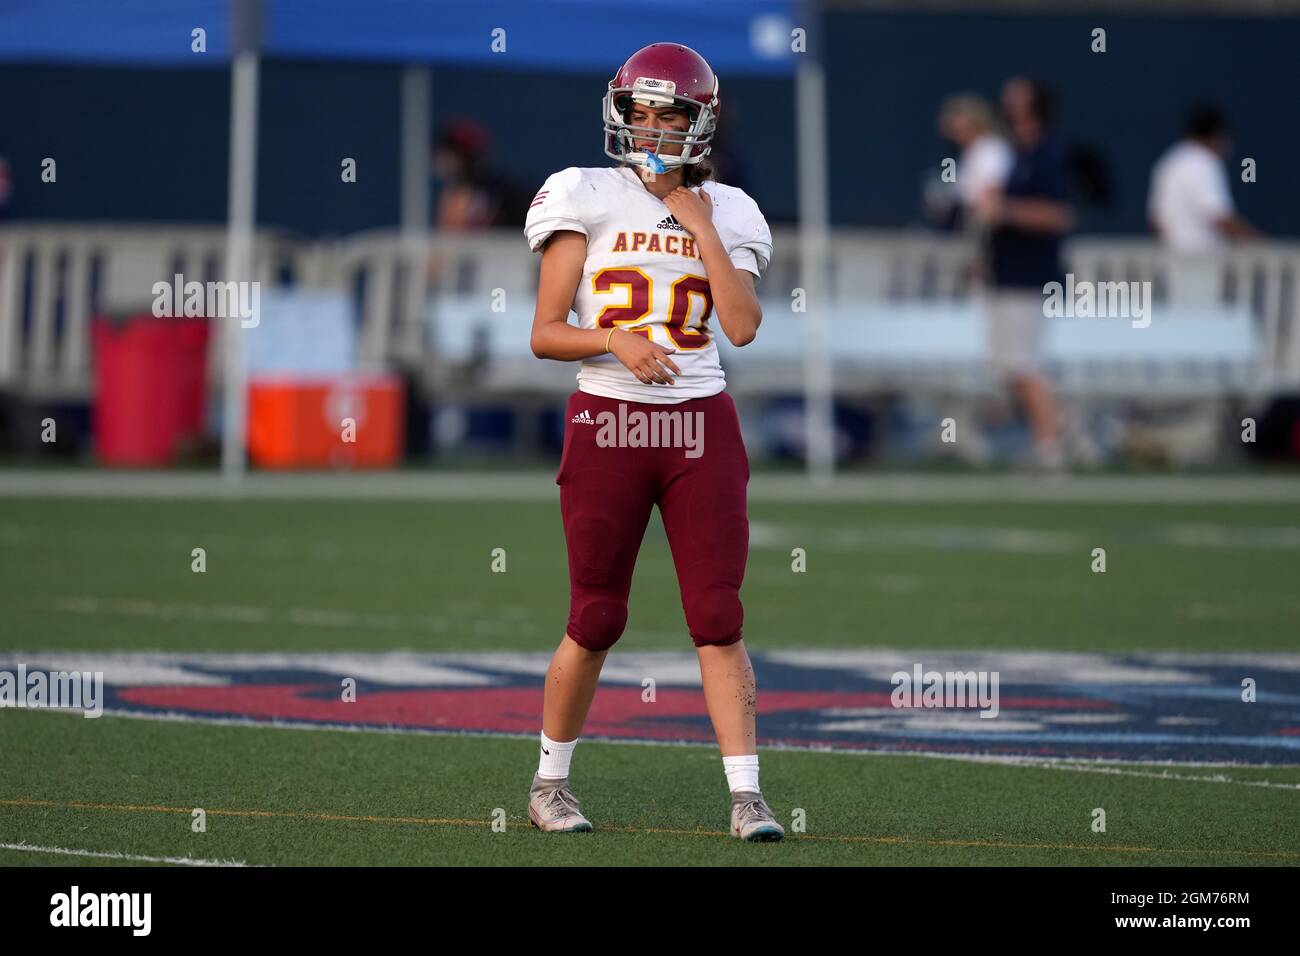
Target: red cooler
(150,387)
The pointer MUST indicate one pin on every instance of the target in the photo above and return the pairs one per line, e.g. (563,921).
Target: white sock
(742,772)
(554,764)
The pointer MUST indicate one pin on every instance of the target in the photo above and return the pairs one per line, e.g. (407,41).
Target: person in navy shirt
(1027,221)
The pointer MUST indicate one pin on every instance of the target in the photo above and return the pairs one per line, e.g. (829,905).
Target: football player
(646,251)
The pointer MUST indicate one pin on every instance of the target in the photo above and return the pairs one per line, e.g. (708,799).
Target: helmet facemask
(621,136)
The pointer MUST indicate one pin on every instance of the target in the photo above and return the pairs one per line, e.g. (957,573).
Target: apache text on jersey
(653,242)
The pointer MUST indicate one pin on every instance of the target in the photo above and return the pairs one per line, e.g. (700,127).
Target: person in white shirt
(1190,205)
(967,120)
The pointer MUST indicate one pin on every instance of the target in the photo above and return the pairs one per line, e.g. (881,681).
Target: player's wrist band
(607,338)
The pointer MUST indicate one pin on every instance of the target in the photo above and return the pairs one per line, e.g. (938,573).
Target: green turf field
(98,574)
(336,798)
(115,574)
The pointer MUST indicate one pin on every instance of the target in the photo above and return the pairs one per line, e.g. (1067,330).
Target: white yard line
(1166,775)
(133,857)
(1100,766)
(470,624)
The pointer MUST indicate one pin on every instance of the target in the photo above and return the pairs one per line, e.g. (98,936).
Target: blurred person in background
(6,194)
(984,157)
(474,195)
(6,188)
(1027,219)
(968,122)
(1190,204)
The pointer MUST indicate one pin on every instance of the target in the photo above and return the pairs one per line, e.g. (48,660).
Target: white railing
(54,277)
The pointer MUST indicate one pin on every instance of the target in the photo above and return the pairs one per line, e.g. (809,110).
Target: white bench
(1184,352)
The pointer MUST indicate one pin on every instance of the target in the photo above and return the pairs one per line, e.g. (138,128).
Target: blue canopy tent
(748,37)
(745,36)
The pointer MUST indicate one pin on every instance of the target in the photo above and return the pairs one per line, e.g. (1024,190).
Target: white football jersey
(644,272)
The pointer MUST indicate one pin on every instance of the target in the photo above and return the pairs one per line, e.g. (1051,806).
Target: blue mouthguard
(654,162)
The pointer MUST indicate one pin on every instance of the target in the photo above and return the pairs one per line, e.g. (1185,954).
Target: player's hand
(648,362)
(694,210)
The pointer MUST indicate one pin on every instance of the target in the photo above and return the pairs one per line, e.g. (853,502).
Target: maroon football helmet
(661,74)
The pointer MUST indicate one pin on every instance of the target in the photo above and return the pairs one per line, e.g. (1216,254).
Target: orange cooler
(296,422)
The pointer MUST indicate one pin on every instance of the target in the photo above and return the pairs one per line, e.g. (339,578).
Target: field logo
(73,909)
(638,429)
(70,690)
(946,689)
(1121,707)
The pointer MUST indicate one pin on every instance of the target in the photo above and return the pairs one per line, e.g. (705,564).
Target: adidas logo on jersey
(583,418)
(670,223)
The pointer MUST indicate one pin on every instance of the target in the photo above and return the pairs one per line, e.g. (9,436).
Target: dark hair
(696,173)
(468,141)
(1042,99)
(1205,121)
(705,169)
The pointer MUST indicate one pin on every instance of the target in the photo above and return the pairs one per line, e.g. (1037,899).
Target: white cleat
(752,819)
(554,809)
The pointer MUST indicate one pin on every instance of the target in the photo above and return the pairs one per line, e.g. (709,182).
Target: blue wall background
(152,144)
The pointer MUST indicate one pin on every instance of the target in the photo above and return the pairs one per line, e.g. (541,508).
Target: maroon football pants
(618,463)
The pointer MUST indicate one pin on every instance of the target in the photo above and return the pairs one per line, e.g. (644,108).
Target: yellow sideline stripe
(453,821)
